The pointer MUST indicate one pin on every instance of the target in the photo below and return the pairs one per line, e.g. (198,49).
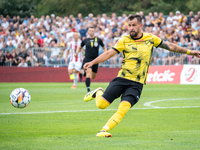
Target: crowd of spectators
(42,41)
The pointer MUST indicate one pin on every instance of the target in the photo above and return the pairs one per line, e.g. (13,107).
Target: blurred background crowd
(43,41)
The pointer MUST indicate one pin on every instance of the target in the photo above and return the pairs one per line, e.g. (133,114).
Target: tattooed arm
(178,49)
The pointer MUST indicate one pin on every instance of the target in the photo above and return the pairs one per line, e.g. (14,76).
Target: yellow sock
(124,107)
(71,76)
(100,102)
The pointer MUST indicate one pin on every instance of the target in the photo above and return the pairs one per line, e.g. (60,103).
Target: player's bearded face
(134,28)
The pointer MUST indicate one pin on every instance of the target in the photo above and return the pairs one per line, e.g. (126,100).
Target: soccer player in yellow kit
(137,49)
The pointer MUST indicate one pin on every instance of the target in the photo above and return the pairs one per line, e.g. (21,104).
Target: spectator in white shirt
(29,44)
(170,17)
(20,37)
(193,23)
(23,63)
(48,39)
(176,18)
(55,51)
(5,23)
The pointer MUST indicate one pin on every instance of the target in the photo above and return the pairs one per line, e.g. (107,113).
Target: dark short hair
(138,17)
(90,27)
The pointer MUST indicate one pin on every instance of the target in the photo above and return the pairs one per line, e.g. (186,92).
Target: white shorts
(75,65)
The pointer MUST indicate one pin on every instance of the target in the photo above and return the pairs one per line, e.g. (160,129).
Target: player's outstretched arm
(178,49)
(103,57)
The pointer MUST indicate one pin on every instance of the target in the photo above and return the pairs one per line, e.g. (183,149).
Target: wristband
(188,52)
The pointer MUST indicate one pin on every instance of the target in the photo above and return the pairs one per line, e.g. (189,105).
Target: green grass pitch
(167,117)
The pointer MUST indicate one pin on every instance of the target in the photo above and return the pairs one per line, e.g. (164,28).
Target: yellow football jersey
(137,56)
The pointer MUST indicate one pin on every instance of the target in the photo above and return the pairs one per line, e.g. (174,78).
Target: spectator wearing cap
(8,19)
(26,20)
(86,20)
(52,17)
(176,18)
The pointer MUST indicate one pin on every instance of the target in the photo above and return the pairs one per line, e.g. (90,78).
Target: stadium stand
(44,41)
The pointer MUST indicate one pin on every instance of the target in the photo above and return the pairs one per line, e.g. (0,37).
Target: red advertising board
(187,74)
(164,74)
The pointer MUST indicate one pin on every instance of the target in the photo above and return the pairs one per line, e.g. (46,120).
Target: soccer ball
(20,98)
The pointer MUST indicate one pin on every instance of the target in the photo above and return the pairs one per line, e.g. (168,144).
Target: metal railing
(55,57)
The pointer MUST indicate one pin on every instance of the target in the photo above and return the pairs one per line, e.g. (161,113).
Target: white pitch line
(69,111)
(149,104)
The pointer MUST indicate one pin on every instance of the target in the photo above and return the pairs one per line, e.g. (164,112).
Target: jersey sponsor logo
(142,40)
(190,74)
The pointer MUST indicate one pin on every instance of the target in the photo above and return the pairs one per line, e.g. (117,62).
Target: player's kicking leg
(101,103)
(103,100)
